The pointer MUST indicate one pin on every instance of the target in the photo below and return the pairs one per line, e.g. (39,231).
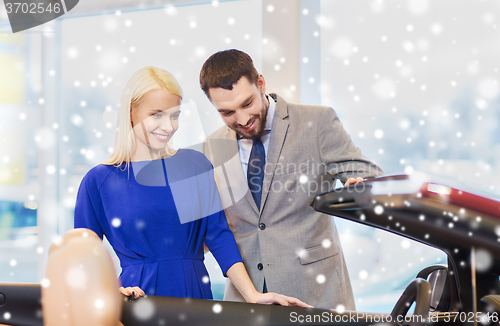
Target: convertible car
(465,291)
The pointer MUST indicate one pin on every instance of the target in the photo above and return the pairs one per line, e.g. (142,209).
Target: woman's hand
(239,277)
(138,292)
(272,298)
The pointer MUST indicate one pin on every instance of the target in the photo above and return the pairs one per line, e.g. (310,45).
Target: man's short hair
(225,68)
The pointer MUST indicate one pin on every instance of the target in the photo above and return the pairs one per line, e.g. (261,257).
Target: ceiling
(87,7)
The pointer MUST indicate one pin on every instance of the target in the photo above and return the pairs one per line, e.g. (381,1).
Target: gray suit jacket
(296,249)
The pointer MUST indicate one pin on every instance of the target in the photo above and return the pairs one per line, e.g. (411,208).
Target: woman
(158,206)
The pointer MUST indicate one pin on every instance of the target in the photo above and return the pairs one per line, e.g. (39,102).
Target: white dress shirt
(245,145)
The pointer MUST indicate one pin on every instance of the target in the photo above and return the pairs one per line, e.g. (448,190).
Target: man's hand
(272,298)
(138,292)
(352,181)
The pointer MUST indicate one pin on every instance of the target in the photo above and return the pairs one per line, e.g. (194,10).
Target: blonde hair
(140,83)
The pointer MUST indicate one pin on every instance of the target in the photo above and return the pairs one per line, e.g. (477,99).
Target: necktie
(255,172)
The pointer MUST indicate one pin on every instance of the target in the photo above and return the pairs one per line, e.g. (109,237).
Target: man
(270,160)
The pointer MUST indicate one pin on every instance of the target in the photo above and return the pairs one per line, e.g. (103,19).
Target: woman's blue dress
(157,215)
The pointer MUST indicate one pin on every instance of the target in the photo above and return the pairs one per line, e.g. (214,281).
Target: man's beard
(260,124)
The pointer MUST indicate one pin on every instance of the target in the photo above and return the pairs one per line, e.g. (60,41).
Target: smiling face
(154,121)
(243,108)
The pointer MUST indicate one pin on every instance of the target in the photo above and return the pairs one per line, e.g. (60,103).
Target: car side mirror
(437,276)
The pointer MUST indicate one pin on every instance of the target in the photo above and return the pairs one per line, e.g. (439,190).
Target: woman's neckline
(157,159)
